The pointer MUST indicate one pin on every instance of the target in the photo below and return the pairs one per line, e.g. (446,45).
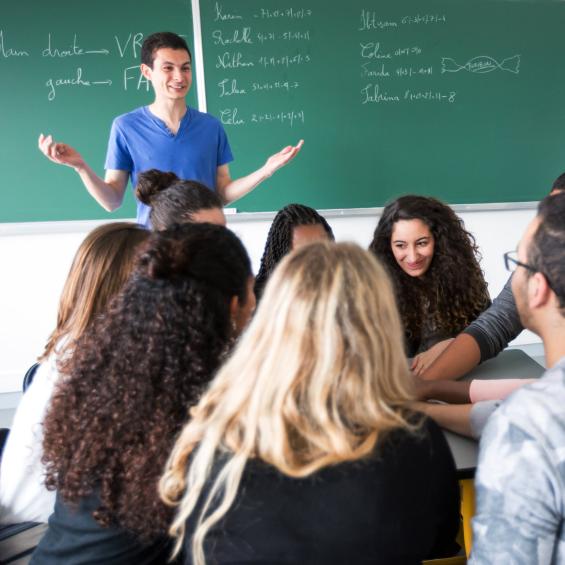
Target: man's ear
(539,291)
(146,71)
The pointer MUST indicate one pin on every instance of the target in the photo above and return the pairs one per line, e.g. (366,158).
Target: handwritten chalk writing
(430,96)
(291,13)
(284,61)
(407,51)
(425,19)
(371,94)
(134,73)
(77,80)
(9,51)
(220,16)
(232,61)
(368,71)
(283,117)
(296,35)
(229,117)
(72,51)
(414,71)
(372,50)
(369,21)
(277,85)
(243,36)
(284,36)
(229,87)
(266,36)
(136,42)
(482,64)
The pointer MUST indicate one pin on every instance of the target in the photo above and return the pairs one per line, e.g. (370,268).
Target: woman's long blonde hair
(315,381)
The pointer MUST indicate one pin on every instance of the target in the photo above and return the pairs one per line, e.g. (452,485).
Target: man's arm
(483,339)
(108,192)
(453,417)
(462,355)
(231,190)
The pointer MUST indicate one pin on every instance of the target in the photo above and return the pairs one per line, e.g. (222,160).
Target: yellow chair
(467,487)
(465,537)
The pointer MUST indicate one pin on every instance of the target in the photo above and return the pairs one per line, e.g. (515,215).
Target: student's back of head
(174,201)
(318,379)
(138,369)
(99,269)
(294,225)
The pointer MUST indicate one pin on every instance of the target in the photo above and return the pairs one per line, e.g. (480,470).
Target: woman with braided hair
(294,226)
(433,262)
(134,375)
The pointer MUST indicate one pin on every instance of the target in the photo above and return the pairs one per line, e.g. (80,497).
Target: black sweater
(399,506)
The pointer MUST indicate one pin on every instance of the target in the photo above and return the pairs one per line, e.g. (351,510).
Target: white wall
(35,259)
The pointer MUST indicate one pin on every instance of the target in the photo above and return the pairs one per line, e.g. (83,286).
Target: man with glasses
(487,336)
(520,482)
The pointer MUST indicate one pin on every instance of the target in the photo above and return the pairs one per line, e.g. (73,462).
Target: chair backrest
(28,377)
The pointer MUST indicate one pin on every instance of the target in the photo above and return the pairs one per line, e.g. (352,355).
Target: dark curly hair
(172,200)
(279,239)
(134,374)
(453,291)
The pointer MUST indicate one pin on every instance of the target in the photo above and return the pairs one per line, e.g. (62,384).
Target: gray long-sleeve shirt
(498,325)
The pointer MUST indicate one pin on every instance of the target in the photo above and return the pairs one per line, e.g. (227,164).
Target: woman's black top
(74,537)
(397,507)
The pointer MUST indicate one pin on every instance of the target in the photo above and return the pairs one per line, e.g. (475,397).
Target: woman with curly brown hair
(433,262)
(132,379)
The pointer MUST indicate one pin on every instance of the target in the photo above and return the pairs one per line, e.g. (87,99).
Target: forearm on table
(452,417)
(462,355)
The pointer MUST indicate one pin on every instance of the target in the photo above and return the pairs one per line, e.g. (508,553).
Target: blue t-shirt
(140,141)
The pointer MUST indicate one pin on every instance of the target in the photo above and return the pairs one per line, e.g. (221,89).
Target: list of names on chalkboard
(260,55)
(397,65)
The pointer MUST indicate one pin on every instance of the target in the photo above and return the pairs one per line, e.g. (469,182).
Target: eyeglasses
(511,262)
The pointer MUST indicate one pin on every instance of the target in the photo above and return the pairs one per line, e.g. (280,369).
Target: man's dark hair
(546,253)
(160,40)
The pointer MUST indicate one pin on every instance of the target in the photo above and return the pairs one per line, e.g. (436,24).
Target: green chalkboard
(463,99)
(68,68)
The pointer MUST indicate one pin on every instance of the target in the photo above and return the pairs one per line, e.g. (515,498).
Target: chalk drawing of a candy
(482,64)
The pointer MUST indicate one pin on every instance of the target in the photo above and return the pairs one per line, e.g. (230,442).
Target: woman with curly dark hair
(132,379)
(294,226)
(434,264)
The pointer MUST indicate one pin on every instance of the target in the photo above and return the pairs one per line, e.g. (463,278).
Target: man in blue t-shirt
(166,135)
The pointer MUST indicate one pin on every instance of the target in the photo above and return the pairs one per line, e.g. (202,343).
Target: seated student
(485,337)
(101,266)
(304,448)
(131,380)
(433,263)
(294,226)
(520,482)
(174,201)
